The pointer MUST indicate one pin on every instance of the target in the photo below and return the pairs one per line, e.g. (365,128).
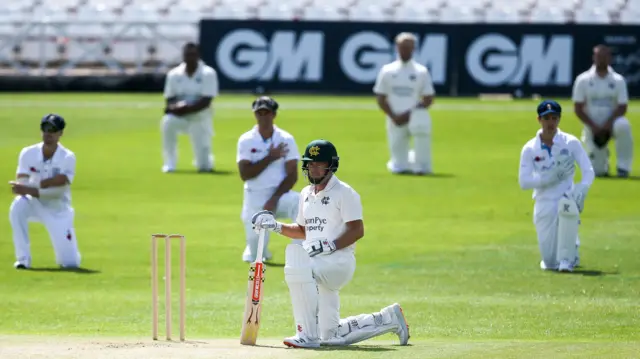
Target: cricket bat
(253,303)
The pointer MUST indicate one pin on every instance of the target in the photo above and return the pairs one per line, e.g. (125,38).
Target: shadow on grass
(432,175)
(359,348)
(274,264)
(195,172)
(608,178)
(589,272)
(63,270)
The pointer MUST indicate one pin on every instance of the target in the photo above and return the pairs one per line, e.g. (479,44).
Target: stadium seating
(136,31)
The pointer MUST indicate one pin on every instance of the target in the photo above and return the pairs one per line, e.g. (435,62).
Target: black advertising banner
(464,59)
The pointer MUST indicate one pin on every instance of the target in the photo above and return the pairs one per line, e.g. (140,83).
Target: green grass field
(457,250)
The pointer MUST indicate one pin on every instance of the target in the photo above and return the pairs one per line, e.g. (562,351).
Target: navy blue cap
(52,121)
(549,106)
(265,103)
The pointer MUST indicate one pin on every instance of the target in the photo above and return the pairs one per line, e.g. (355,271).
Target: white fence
(112,46)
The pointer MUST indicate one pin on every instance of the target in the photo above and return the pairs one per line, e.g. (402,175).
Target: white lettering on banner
(247,55)
(495,60)
(364,53)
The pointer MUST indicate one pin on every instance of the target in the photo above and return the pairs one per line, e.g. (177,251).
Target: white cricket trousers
(253,202)
(199,127)
(545,219)
(399,138)
(25,209)
(624,147)
(331,273)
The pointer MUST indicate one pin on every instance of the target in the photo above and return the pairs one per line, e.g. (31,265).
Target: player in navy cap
(267,160)
(547,166)
(43,179)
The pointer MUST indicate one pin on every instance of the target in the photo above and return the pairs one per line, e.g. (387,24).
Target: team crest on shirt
(564,152)
(412,77)
(325,200)
(33,169)
(69,236)
(314,151)
(55,171)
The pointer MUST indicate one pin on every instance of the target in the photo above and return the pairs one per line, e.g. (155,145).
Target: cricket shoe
(301,341)
(21,265)
(565,266)
(623,173)
(395,312)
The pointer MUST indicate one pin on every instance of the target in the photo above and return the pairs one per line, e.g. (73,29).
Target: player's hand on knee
(319,246)
(578,194)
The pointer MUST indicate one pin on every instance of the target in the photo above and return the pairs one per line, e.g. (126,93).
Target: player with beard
(330,220)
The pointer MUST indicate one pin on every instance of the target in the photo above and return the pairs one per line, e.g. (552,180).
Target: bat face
(251,322)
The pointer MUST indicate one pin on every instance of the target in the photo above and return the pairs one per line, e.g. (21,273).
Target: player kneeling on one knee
(547,165)
(330,220)
(268,164)
(43,188)
(601,97)
(189,90)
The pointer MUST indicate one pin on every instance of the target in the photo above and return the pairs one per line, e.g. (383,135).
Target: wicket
(167,282)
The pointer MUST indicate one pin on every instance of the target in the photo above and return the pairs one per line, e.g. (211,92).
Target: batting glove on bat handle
(265,220)
(272,226)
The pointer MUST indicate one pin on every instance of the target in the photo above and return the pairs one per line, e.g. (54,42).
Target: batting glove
(318,246)
(265,220)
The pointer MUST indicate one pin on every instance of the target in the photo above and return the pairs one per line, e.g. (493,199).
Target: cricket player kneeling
(601,97)
(43,181)
(330,220)
(405,92)
(547,165)
(189,90)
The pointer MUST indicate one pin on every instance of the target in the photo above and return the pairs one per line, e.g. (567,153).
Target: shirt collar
(55,154)
(405,64)
(333,181)
(256,133)
(183,67)
(592,70)
(539,141)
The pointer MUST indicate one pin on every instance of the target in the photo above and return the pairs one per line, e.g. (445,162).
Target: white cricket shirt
(203,83)
(31,162)
(600,94)
(252,147)
(325,214)
(404,84)
(537,158)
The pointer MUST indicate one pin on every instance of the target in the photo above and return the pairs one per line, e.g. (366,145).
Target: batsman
(330,220)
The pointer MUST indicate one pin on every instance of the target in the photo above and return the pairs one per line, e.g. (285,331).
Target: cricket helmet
(320,151)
